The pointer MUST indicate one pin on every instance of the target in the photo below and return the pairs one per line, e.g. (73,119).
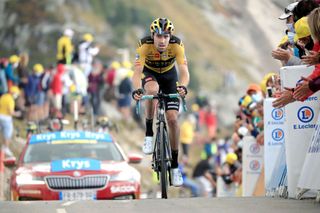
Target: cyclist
(155,70)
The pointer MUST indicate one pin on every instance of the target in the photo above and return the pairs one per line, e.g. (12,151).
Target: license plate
(77,195)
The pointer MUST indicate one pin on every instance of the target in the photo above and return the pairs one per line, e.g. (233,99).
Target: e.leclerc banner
(300,122)
(310,175)
(274,162)
(252,159)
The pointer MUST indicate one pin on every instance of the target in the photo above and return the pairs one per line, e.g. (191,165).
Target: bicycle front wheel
(163,162)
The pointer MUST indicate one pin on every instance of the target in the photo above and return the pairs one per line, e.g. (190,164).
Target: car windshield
(46,152)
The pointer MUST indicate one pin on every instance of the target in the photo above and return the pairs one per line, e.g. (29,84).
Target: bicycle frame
(161,158)
(162,150)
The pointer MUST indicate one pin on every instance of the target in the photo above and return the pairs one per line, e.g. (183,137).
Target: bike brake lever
(138,108)
(184,105)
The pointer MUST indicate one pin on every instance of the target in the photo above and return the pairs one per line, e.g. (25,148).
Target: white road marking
(68,203)
(61,211)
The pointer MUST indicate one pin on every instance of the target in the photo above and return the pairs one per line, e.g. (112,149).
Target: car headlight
(122,176)
(26,178)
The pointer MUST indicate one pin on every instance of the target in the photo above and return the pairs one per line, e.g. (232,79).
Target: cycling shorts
(167,84)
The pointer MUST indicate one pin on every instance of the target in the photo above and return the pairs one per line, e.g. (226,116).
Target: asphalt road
(194,205)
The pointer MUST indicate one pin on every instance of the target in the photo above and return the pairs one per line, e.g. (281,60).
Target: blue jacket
(33,86)
(10,75)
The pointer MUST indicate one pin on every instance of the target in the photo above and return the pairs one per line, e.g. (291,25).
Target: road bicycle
(161,157)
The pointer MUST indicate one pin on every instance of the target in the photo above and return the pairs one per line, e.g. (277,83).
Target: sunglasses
(287,10)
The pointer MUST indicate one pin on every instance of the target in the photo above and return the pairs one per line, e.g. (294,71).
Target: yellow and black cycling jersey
(148,56)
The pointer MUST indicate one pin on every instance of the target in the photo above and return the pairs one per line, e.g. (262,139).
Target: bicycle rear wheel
(163,163)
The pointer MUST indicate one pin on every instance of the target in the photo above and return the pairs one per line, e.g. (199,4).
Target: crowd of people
(299,45)
(77,77)
(222,157)
(219,157)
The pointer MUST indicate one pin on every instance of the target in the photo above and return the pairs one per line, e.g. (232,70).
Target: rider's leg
(174,135)
(151,88)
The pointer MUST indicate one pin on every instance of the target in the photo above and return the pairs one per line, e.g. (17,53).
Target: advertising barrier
(310,174)
(274,147)
(300,122)
(252,161)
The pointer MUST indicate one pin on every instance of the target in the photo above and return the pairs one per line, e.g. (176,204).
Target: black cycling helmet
(161,26)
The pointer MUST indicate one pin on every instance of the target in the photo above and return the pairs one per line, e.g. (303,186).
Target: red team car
(74,165)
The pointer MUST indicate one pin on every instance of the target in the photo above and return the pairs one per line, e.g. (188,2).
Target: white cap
(243,131)
(288,11)
(68,32)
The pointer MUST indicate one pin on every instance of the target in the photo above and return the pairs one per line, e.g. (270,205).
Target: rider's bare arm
(184,76)
(138,67)
(182,65)
(136,78)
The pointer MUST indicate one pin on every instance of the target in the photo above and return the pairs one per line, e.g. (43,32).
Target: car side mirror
(135,158)
(9,162)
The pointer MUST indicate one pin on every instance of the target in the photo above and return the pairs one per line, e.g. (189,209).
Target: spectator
(95,81)
(304,8)
(299,10)
(288,16)
(3,78)
(188,182)
(76,76)
(65,47)
(287,96)
(229,169)
(270,84)
(125,89)
(7,105)
(187,133)
(309,84)
(35,97)
(109,94)
(56,89)
(9,70)
(203,175)
(67,82)
(22,72)
(46,79)
(87,51)
(231,175)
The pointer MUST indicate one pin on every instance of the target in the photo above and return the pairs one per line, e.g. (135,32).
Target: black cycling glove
(184,88)
(138,92)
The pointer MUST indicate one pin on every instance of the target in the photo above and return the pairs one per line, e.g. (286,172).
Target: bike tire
(163,163)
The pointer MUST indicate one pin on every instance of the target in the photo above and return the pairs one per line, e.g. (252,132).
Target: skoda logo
(305,114)
(76,174)
(255,148)
(254,165)
(277,134)
(277,114)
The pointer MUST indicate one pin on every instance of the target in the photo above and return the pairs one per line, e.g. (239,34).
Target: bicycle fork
(156,158)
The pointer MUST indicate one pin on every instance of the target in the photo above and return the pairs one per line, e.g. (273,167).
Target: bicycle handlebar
(159,96)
